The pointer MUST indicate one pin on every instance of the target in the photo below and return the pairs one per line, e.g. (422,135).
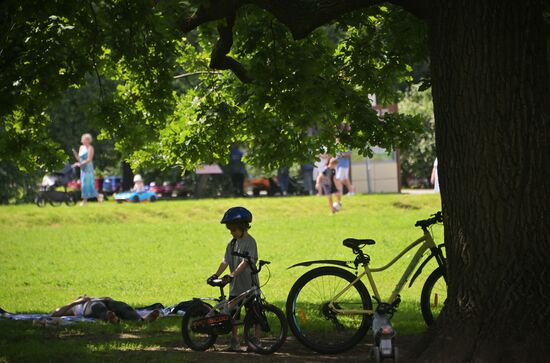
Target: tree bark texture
(491,102)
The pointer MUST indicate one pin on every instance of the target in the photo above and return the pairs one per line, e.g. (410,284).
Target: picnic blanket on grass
(47,319)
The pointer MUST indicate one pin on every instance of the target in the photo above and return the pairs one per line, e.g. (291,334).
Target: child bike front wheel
(197,336)
(265,328)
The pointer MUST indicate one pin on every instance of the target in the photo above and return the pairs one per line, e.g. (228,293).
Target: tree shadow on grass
(162,341)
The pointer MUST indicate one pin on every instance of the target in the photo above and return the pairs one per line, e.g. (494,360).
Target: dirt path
(293,351)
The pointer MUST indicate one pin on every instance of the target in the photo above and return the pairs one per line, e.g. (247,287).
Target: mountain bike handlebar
(425,223)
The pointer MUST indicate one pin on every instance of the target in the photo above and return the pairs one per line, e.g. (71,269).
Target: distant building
(379,174)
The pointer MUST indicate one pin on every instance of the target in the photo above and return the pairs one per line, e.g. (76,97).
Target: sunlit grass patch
(163,252)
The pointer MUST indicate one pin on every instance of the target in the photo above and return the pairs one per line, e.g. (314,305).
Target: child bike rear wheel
(265,328)
(199,341)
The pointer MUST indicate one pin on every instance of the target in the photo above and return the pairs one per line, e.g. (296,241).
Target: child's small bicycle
(265,326)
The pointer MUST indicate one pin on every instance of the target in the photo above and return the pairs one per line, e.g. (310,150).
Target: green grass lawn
(164,251)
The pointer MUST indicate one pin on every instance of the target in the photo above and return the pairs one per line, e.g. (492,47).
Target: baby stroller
(48,188)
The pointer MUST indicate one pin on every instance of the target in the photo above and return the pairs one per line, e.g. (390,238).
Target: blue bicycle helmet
(237,215)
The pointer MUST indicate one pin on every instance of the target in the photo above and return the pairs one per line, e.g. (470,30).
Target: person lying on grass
(103,308)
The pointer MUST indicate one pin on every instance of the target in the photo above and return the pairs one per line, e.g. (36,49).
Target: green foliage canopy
(168,107)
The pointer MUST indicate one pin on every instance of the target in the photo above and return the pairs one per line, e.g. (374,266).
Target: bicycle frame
(243,297)
(426,242)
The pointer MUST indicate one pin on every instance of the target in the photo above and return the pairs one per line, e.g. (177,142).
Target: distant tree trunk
(201,186)
(491,102)
(127,176)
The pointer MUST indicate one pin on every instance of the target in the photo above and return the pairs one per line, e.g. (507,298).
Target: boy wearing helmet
(237,221)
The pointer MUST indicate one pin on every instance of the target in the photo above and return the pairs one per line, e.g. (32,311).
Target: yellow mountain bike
(330,310)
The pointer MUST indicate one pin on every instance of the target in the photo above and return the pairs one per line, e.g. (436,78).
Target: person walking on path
(327,181)
(85,157)
(307,175)
(282,178)
(237,170)
(342,172)
(434,178)
(320,166)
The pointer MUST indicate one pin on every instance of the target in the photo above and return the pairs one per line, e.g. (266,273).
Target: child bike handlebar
(221,282)
(246,256)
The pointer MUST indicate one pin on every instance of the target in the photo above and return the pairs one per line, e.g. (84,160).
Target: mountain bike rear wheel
(434,294)
(199,341)
(265,328)
(314,323)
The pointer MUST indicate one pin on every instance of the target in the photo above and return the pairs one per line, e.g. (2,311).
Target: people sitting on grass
(138,184)
(103,308)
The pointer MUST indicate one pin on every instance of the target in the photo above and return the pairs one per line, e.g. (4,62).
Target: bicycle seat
(355,243)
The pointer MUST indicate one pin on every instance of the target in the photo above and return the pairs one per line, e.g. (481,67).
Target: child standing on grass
(237,221)
(328,184)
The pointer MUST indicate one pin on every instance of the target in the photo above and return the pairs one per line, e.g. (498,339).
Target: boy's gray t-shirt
(243,281)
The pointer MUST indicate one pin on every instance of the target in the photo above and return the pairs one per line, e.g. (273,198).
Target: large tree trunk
(491,101)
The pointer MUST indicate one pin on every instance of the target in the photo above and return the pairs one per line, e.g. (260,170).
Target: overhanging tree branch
(225,12)
(219,58)
(184,75)
(214,10)
(300,16)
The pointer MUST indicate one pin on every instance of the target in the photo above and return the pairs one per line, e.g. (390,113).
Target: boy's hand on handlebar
(226,279)
(211,279)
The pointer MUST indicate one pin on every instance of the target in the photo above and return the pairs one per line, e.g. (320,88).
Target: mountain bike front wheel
(314,323)
(193,337)
(265,328)
(434,294)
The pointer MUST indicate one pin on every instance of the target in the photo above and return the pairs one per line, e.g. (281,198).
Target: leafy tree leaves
(303,95)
